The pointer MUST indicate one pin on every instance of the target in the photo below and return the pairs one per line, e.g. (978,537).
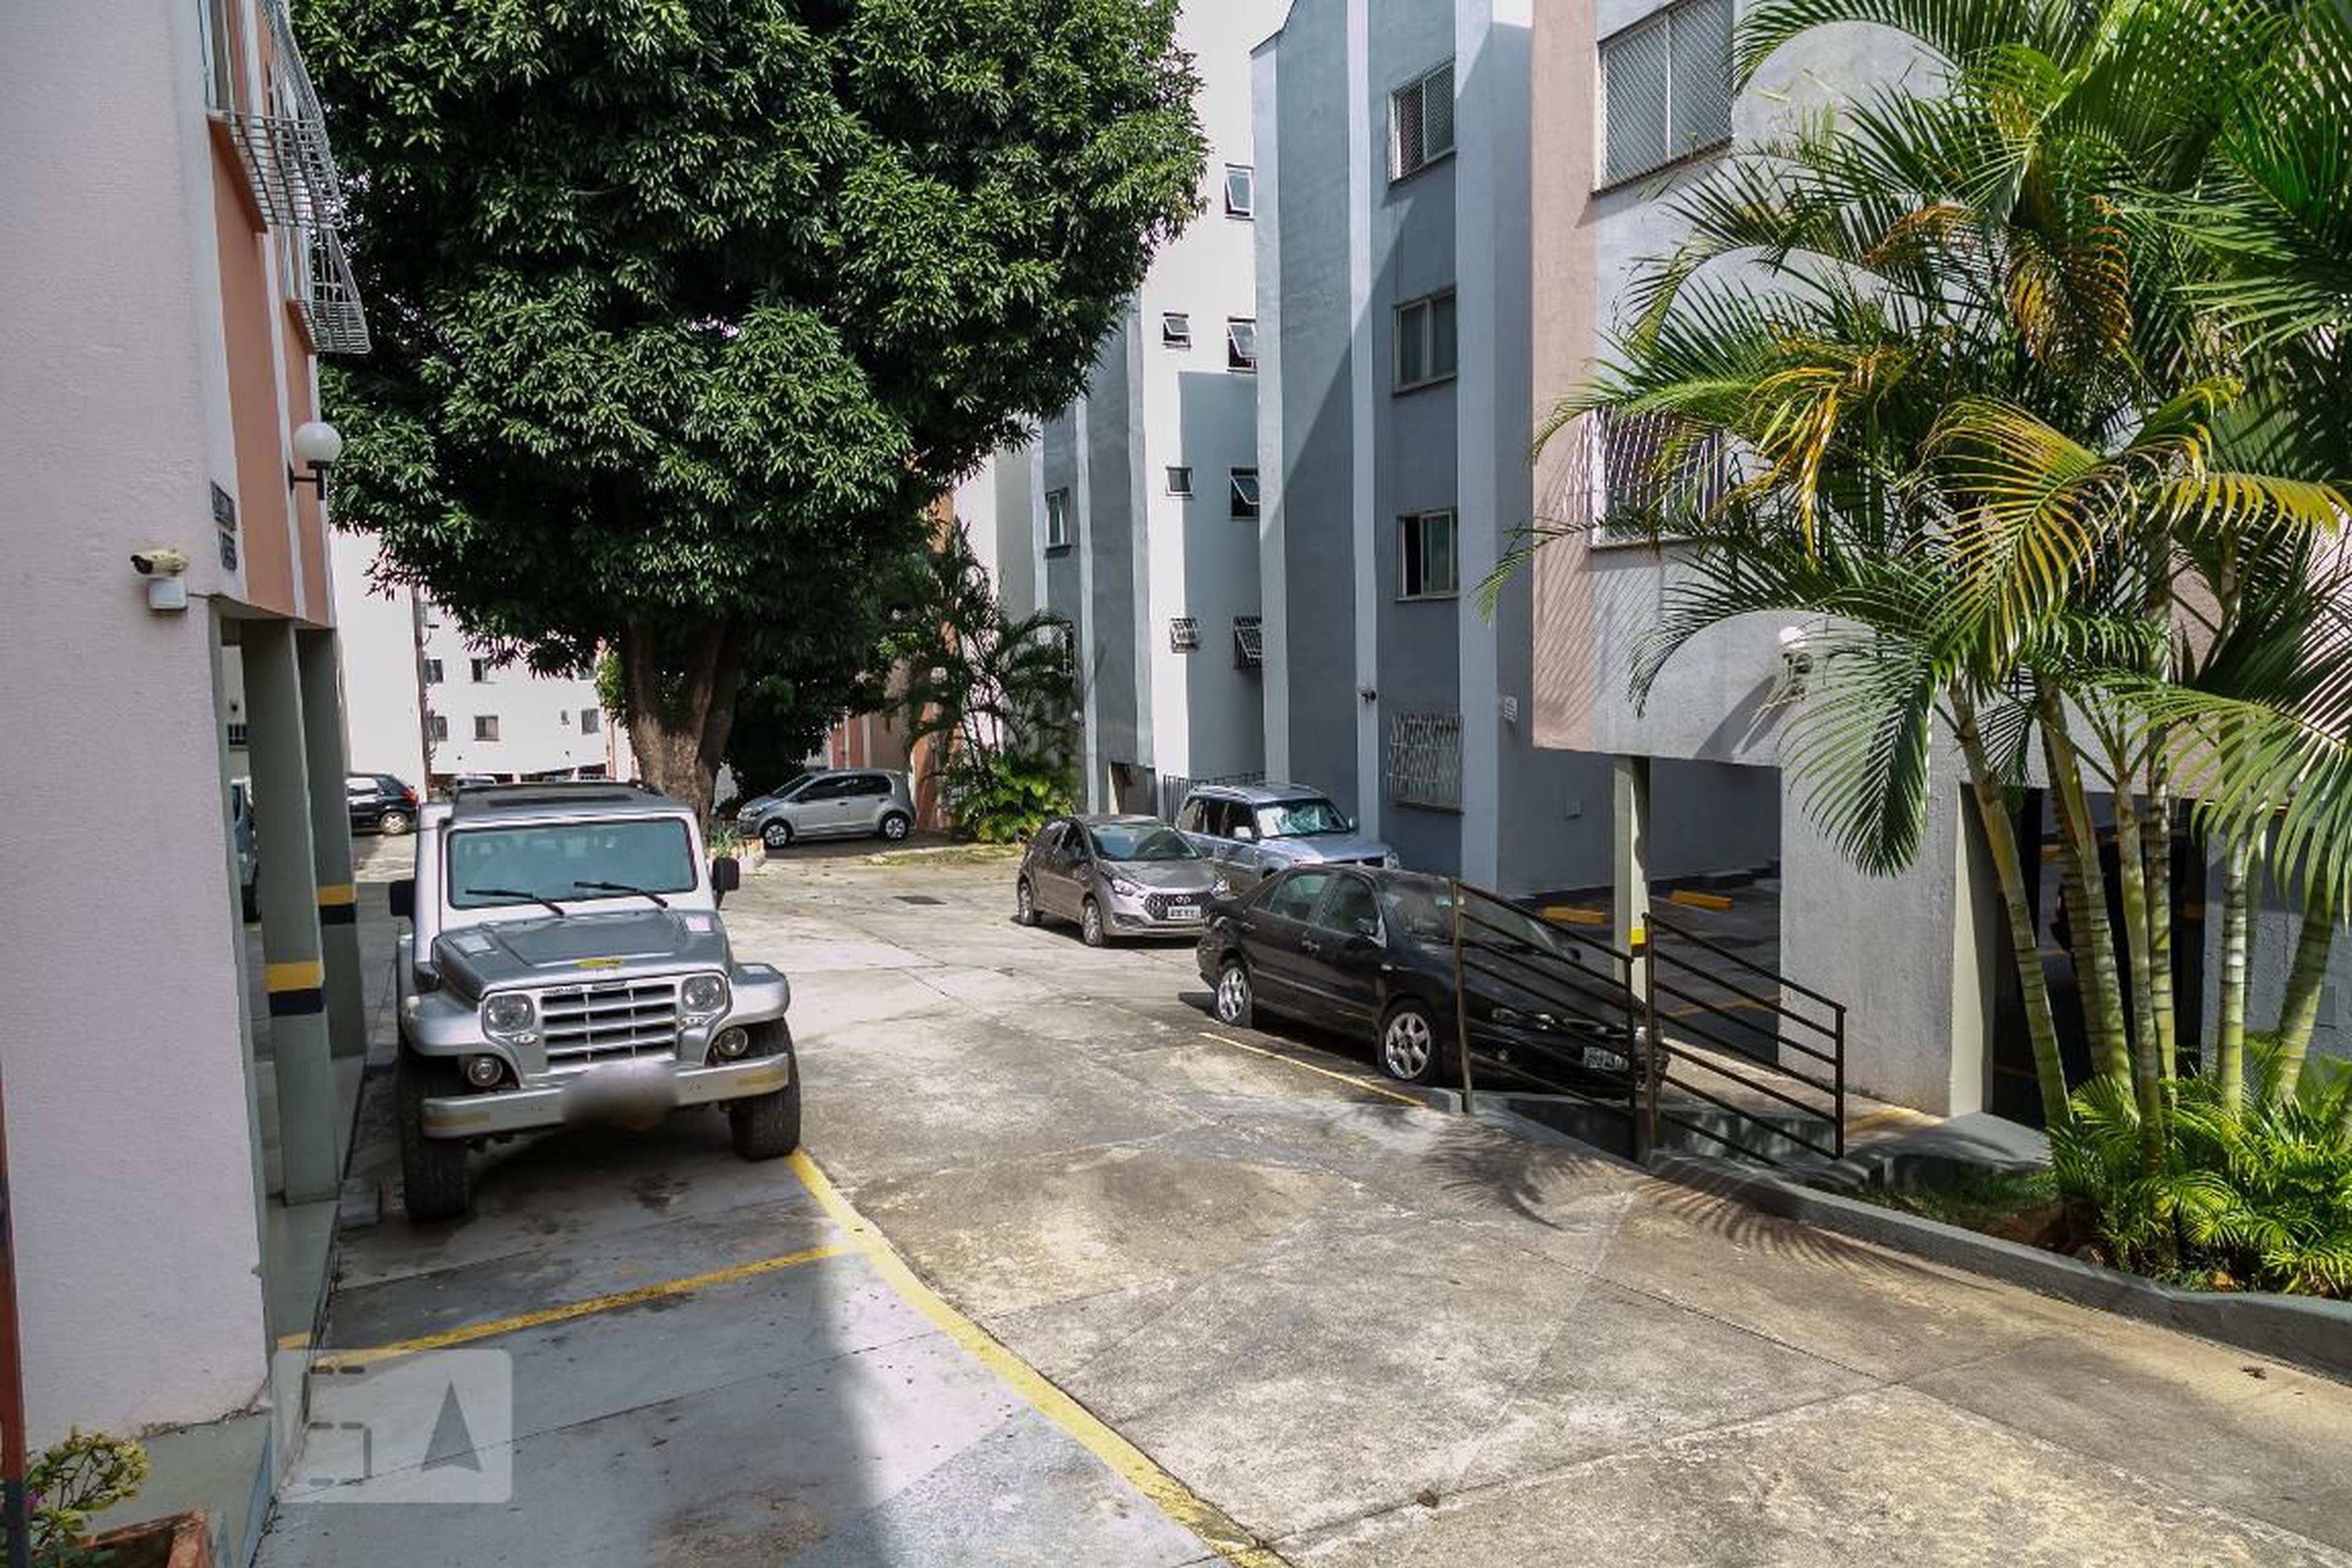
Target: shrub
(83,1475)
(1006,797)
(2262,1195)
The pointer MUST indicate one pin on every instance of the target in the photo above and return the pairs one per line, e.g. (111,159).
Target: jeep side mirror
(404,899)
(726,876)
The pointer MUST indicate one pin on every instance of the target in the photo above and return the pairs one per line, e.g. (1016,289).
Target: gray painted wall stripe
(1362,495)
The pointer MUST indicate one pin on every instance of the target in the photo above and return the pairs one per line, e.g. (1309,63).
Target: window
(592,720)
(1176,331)
(1426,567)
(1425,759)
(1241,190)
(1427,345)
(481,670)
(1057,520)
(486,726)
(219,53)
(432,672)
(437,725)
(1245,492)
(1249,642)
(1665,87)
(1241,343)
(1420,122)
(1654,469)
(1294,897)
(1184,634)
(1188,820)
(237,735)
(1180,481)
(1351,909)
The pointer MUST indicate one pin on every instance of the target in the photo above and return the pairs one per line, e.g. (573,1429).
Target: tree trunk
(2299,1012)
(682,707)
(2159,918)
(2229,1041)
(2090,934)
(2024,944)
(2146,1071)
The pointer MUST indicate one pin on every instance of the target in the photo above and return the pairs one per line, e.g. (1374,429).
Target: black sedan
(1370,953)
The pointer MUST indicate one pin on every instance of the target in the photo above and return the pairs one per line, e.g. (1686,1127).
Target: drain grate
(919,898)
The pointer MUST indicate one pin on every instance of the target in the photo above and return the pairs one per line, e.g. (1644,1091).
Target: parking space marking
(340,1359)
(1349,1078)
(1691,899)
(1216,1529)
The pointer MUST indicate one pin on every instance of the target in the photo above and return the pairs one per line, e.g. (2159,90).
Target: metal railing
(1769,1108)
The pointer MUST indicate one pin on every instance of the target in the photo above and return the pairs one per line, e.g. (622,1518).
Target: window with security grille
(1184,634)
(1425,759)
(1057,520)
(1241,191)
(1654,470)
(1180,481)
(1245,492)
(237,734)
(1420,122)
(1665,89)
(486,726)
(1241,343)
(1176,330)
(1427,345)
(1249,642)
(1428,565)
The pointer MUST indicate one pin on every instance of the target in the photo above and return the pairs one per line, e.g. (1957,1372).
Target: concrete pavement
(1368,1331)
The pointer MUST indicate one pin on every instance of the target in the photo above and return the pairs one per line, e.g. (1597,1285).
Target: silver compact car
(1116,876)
(1253,831)
(837,803)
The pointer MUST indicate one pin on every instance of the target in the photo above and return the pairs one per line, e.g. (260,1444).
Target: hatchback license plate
(1184,911)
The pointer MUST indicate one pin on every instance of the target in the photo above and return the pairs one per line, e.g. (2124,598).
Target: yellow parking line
(1130,1463)
(336,1361)
(1349,1078)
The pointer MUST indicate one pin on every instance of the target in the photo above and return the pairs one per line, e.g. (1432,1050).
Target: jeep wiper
(553,907)
(659,902)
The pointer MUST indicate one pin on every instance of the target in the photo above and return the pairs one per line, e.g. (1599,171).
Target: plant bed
(2303,1330)
(179,1541)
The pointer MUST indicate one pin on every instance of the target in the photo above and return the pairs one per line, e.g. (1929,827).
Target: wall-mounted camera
(165,570)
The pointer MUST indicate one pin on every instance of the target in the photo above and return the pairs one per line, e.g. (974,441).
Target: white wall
(379,648)
(540,726)
(124,1063)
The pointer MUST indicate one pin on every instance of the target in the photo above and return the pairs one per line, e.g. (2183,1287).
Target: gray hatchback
(837,803)
(1116,876)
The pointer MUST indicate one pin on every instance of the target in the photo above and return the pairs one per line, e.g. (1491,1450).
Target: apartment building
(1134,513)
(481,717)
(174,267)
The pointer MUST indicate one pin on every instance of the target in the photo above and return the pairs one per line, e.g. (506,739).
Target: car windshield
(1302,818)
(1140,841)
(571,862)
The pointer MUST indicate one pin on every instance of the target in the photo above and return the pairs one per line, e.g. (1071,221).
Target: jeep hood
(547,951)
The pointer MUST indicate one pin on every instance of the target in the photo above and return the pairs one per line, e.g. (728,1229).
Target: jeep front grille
(586,1023)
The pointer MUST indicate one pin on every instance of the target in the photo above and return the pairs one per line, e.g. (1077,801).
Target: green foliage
(1006,797)
(71,1480)
(2262,1195)
(683,310)
(1974,1197)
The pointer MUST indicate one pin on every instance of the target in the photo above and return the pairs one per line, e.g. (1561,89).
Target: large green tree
(684,309)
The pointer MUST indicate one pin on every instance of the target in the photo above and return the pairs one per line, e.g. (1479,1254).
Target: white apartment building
(1134,513)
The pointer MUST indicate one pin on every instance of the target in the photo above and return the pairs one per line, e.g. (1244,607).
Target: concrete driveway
(1093,1281)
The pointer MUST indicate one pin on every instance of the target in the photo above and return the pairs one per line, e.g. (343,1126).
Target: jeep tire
(768,1126)
(435,1181)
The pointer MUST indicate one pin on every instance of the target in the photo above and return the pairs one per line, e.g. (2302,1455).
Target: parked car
(837,802)
(471,781)
(381,804)
(1370,952)
(1116,876)
(1251,831)
(248,849)
(565,963)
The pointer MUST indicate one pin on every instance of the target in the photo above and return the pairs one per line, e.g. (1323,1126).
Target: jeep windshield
(1303,819)
(569,862)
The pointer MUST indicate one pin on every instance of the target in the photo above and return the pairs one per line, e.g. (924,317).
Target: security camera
(163,561)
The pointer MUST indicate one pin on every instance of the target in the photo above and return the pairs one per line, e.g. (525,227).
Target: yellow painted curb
(1690,899)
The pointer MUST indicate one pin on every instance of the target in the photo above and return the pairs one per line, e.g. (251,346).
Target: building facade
(502,721)
(176,268)
(1134,513)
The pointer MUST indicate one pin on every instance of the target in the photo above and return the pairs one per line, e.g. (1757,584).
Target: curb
(2301,1332)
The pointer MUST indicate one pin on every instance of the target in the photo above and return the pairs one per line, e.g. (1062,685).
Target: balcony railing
(289,163)
(331,300)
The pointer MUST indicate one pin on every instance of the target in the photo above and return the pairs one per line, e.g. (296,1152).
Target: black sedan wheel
(1411,1048)
(1236,1006)
(393,824)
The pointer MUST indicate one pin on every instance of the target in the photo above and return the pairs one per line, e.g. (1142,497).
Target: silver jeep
(565,963)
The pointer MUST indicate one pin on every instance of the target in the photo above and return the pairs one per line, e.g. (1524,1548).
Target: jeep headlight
(508,1013)
(703,996)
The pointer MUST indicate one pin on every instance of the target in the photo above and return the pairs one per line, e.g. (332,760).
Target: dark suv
(380,802)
